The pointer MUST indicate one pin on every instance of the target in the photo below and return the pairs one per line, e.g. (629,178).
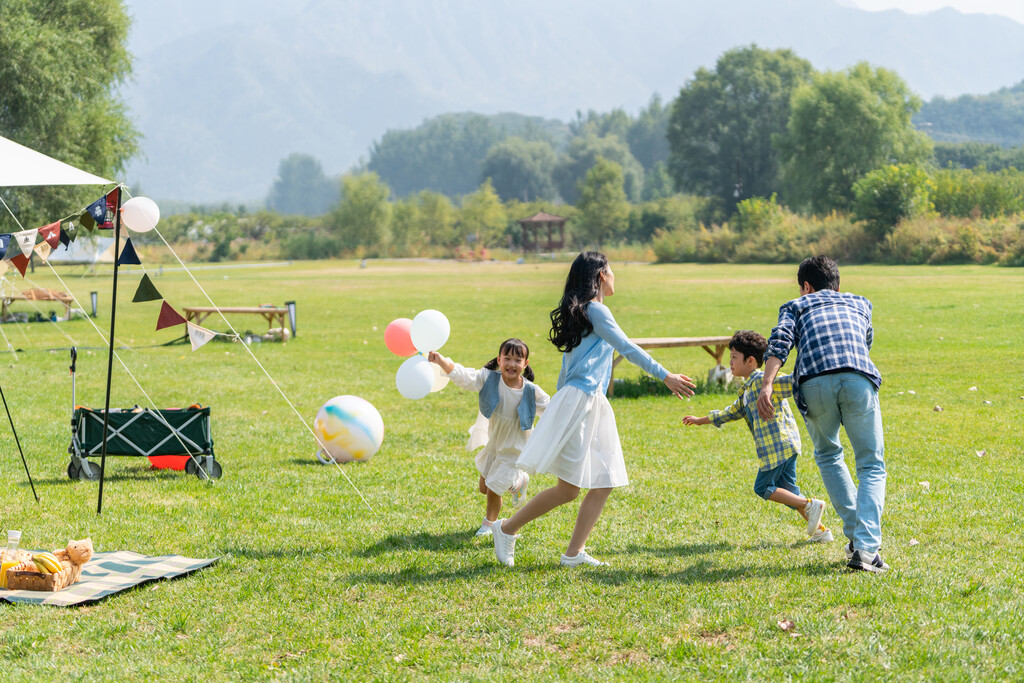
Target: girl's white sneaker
(485,528)
(581,558)
(504,544)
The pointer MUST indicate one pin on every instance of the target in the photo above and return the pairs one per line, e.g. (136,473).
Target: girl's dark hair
(512,347)
(569,322)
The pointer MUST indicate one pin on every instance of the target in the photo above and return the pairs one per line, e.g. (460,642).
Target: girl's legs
(493,501)
(586,518)
(543,503)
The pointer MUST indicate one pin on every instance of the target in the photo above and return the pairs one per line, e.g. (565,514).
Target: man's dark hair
(820,271)
(750,344)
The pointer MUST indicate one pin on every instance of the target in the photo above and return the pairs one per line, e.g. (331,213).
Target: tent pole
(13,431)
(110,353)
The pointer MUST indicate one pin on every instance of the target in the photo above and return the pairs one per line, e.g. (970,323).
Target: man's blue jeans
(851,400)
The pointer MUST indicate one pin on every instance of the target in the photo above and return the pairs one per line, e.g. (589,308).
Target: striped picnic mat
(109,573)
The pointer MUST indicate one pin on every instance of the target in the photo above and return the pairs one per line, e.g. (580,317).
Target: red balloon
(398,337)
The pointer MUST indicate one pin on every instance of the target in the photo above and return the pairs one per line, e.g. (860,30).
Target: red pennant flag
(51,233)
(168,316)
(20,262)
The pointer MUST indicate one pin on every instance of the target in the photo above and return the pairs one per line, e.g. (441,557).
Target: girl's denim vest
(489,398)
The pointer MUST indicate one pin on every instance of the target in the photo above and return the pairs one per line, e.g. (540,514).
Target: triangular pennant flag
(146,291)
(51,233)
(128,255)
(13,249)
(26,240)
(43,249)
(97,212)
(4,266)
(5,241)
(199,335)
(168,317)
(20,262)
(65,238)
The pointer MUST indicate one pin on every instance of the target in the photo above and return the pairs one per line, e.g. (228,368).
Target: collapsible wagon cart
(141,432)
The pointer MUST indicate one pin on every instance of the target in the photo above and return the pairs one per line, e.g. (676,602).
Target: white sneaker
(519,489)
(822,535)
(504,544)
(814,509)
(581,558)
(485,528)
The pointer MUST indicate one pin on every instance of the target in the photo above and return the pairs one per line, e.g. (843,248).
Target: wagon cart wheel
(73,470)
(196,468)
(76,472)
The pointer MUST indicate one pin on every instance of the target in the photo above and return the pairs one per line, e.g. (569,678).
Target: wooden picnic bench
(272,314)
(715,346)
(63,298)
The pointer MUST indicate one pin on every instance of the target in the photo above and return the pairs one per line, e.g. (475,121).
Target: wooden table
(62,298)
(715,346)
(272,314)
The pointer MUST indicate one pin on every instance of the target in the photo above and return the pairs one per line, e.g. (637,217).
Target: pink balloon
(398,337)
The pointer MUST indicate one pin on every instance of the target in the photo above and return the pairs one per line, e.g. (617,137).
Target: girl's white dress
(577,439)
(500,435)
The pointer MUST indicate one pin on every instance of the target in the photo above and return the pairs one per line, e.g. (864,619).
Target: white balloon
(140,214)
(414,378)
(440,379)
(430,330)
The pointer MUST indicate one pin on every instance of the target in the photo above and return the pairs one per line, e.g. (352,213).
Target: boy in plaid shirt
(777,440)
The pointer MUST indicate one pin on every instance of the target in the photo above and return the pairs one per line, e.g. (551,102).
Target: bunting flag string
(199,335)
(51,234)
(147,291)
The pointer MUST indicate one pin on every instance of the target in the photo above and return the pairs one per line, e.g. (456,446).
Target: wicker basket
(37,581)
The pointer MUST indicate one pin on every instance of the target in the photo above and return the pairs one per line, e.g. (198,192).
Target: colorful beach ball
(347,428)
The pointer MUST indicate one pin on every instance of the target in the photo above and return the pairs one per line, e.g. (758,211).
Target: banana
(48,561)
(40,567)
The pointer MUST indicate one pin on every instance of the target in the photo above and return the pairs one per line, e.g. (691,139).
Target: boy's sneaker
(504,544)
(485,528)
(519,489)
(814,510)
(581,558)
(822,535)
(865,562)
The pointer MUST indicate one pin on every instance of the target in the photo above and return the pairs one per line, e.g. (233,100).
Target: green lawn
(313,585)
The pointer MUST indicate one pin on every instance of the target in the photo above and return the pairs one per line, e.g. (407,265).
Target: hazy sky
(1014,9)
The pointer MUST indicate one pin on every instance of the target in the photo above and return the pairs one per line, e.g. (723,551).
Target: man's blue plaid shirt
(830,330)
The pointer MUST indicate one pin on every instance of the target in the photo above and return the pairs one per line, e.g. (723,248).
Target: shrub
(888,195)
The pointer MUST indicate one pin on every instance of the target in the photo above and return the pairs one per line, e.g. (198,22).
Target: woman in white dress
(577,440)
(509,402)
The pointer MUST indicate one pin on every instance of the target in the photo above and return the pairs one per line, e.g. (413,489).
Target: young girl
(509,401)
(577,440)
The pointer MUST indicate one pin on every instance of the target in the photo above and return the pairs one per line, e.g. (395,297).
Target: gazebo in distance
(543,221)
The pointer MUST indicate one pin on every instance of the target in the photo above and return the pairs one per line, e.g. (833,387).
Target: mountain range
(222,92)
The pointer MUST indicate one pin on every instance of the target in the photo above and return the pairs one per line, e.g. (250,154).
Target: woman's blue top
(588,367)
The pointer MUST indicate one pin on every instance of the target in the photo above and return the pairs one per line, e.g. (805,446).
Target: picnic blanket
(109,573)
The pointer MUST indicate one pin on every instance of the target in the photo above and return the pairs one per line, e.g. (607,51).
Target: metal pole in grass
(14,431)
(110,353)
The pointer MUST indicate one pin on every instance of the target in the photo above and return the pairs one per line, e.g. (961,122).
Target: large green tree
(722,123)
(520,169)
(604,209)
(362,217)
(482,217)
(843,125)
(61,62)
(581,156)
(302,188)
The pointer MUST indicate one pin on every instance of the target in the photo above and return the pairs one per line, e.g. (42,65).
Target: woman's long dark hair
(513,347)
(569,322)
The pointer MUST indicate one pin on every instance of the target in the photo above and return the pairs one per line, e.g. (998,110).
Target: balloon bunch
(428,331)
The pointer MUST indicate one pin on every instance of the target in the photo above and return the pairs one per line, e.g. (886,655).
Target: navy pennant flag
(128,255)
(5,241)
(97,211)
(65,238)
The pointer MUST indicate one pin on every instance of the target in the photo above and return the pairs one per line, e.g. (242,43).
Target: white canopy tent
(21,166)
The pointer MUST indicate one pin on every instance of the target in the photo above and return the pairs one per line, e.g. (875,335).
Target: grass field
(313,585)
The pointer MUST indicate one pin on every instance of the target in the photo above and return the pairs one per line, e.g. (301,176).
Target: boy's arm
(694,420)
(728,414)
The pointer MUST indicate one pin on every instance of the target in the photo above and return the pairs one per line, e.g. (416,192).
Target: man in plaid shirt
(777,440)
(836,384)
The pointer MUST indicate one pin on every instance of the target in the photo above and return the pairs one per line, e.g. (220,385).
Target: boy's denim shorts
(781,477)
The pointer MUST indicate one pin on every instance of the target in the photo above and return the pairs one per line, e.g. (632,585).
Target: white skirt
(577,441)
